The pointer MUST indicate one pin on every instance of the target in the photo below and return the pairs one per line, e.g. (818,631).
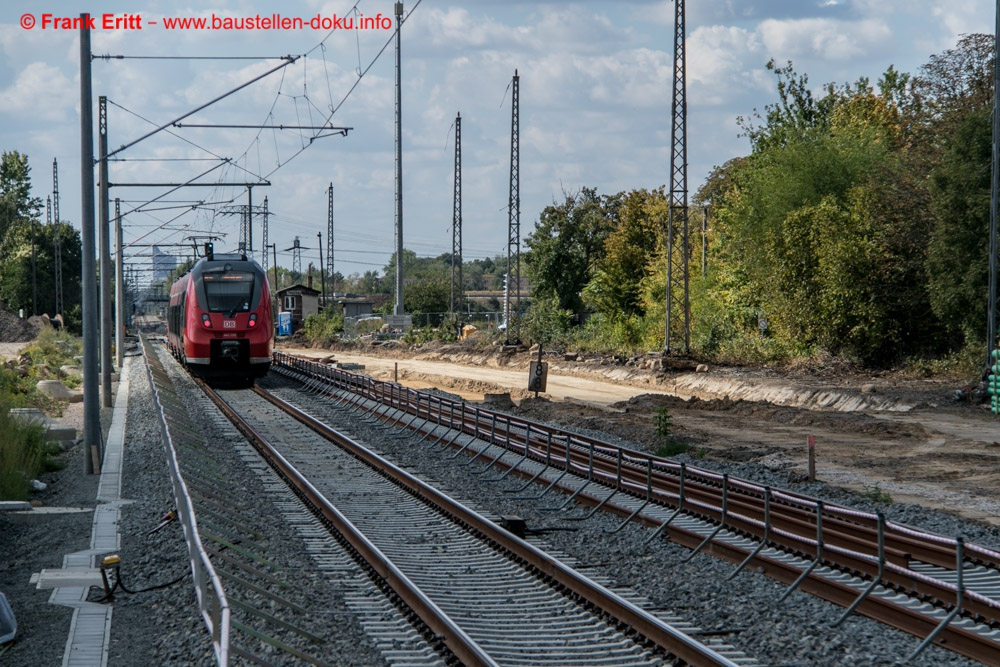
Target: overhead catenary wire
(305,139)
(350,90)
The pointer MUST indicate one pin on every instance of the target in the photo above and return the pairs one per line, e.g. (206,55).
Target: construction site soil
(886,435)
(14,329)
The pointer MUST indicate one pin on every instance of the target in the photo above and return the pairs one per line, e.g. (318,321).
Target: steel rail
(849,536)
(670,639)
(793,508)
(463,647)
(846,527)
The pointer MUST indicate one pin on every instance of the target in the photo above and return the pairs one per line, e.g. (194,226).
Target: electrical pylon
(56,240)
(514,219)
(329,239)
(456,224)
(678,314)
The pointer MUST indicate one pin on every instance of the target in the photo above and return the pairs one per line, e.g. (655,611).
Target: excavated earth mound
(15,330)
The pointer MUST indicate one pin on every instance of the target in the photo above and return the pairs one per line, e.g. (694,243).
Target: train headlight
(253,320)
(206,320)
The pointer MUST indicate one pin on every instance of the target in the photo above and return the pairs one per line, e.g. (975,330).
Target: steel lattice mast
(296,249)
(56,237)
(263,236)
(329,239)
(514,218)
(677,316)
(456,224)
(244,229)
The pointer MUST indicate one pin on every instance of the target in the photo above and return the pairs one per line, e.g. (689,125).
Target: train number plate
(228,324)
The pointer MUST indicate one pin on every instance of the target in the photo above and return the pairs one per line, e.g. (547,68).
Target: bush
(663,422)
(322,328)
(546,323)
(53,348)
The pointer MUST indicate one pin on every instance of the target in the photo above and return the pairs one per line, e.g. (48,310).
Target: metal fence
(172,414)
(372,325)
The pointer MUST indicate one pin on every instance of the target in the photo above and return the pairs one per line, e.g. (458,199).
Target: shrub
(53,348)
(664,422)
(673,449)
(546,323)
(322,328)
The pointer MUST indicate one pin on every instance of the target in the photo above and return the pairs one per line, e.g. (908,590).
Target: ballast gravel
(165,627)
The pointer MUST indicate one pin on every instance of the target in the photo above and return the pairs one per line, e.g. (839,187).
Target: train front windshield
(228,292)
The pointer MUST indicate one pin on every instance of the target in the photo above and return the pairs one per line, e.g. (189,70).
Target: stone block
(72,371)
(14,506)
(53,430)
(59,391)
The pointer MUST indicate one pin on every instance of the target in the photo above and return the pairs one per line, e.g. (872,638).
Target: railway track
(473,592)
(942,590)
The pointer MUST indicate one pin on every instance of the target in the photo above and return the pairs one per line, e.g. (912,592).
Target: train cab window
(229,292)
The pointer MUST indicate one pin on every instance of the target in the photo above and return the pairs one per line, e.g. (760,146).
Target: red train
(219,320)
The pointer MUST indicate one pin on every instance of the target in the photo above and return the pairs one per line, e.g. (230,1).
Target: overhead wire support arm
(188,185)
(108,56)
(288,61)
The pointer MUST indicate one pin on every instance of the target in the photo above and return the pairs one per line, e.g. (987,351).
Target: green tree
(958,253)
(823,229)
(432,295)
(955,90)
(566,244)
(17,207)
(615,288)
(16,274)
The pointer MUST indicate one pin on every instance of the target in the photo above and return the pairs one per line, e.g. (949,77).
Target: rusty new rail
(857,542)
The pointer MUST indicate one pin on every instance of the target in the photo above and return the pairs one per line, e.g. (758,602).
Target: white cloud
(38,94)
(725,64)
(823,39)
(963,17)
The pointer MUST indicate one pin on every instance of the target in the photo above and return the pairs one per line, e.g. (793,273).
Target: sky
(594,99)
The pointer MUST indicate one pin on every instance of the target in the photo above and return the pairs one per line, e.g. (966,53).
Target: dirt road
(925,450)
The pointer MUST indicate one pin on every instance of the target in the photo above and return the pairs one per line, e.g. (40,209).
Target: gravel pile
(15,330)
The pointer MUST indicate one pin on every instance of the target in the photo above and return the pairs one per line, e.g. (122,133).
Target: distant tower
(296,257)
(456,224)
(329,239)
(56,241)
(514,218)
(244,226)
(263,251)
(678,320)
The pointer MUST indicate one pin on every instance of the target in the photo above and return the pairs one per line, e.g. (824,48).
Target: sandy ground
(931,451)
